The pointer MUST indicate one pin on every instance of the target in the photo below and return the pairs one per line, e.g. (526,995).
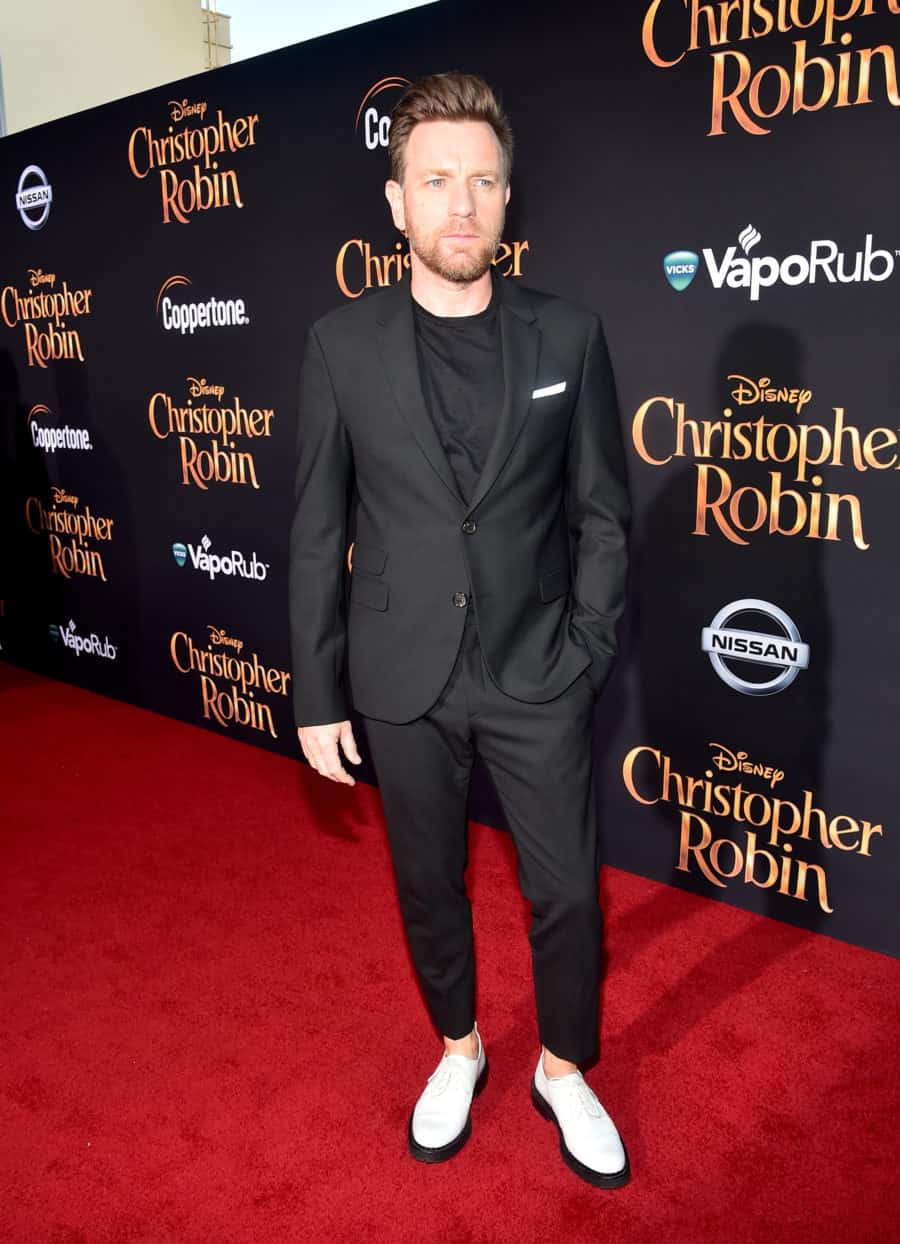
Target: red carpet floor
(210,1030)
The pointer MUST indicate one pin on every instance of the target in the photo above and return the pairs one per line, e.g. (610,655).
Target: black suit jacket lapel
(521,344)
(397,345)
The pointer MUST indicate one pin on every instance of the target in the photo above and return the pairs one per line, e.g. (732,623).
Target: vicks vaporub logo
(232,563)
(680,268)
(91,644)
(823,261)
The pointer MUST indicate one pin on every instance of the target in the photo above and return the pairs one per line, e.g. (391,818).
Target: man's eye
(435,181)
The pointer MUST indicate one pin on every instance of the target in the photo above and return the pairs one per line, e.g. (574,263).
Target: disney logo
(201,388)
(182,108)
(39,277)
(748,392)
(219,636)
(727,761)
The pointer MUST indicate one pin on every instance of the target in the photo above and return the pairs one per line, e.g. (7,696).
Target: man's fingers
(331,764)
(348,743)
(327,761)
(320,747)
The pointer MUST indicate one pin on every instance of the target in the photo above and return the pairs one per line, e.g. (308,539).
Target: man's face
(453,202)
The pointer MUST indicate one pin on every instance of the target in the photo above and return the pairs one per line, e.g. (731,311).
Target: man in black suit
(464,430)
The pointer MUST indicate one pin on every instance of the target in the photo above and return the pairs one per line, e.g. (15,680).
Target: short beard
(463,269)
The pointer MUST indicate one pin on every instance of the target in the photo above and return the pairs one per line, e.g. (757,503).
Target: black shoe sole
(617,1179)
(423,1154)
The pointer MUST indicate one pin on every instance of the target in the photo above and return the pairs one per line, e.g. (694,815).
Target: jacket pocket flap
(371,592)
(369,558)
(554,583)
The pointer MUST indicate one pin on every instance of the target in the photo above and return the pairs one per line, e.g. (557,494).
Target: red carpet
(210,1030)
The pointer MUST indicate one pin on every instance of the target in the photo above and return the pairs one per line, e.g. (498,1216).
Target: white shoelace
(580,1093)
(447,1075)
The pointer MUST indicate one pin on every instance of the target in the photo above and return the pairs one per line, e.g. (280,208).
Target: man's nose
(461,202)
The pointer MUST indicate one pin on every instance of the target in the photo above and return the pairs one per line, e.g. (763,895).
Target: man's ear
(393,192)
(506,200)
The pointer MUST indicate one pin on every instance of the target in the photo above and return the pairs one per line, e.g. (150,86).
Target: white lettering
(88,643)
(234,563)
(824,260)
(187,317)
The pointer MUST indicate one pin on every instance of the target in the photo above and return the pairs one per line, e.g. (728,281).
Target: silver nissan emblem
(33,198)
(728,645)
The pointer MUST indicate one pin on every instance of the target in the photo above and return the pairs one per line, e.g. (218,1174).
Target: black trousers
(539,757)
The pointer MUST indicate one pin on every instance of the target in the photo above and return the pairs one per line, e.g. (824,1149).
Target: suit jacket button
(469,526)
(460,599)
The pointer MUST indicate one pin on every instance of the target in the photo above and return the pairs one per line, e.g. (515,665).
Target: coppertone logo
(231,564)
(373,122)
(780,649)
(50,439)
(34,195)
(187,316)
(822,261)
(91,644)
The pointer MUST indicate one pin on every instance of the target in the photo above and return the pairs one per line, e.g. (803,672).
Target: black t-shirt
(461,368)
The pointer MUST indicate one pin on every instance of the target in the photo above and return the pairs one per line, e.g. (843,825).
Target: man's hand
(319,745)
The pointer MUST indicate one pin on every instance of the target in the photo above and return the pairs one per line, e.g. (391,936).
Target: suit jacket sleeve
(318,541)
(598,509)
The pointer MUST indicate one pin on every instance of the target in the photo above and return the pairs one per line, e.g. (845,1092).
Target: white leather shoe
(588,1140)
(440,1123)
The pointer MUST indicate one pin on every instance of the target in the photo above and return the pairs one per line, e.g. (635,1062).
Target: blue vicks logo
(680,268)
(179,552)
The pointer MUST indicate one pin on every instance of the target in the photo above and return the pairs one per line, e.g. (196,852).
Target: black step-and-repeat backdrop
(719,181)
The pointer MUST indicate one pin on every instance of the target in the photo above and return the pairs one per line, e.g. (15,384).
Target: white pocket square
(549,389)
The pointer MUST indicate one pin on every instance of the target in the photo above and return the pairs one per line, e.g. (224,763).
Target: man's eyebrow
(448,172)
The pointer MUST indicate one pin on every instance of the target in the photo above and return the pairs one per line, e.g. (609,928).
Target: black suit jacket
(539,552)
